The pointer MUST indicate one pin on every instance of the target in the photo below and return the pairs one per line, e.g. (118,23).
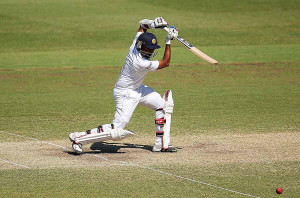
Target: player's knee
(119,134)
(120,124)
(159,113)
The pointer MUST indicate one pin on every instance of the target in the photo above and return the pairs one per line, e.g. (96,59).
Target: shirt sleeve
(134,40)
(153,65)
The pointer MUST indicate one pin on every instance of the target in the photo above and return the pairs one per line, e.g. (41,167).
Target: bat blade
(203,56)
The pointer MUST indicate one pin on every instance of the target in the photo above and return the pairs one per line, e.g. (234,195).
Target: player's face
(145,49)
(148,53)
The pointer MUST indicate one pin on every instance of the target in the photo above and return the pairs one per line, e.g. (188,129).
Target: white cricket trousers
(127,101)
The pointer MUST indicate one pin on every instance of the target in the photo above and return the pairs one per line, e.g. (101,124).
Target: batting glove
(157,23)
(146,23)
(171,35)
(160,23)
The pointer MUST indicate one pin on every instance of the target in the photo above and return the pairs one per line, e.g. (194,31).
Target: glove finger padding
(157,23)
(146,23)
(160,23)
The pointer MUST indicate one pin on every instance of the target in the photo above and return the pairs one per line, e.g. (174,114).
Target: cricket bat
(194,49)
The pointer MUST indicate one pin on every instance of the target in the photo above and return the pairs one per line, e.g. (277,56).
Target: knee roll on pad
(169,102)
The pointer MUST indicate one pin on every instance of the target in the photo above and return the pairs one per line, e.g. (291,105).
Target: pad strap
(88,132)
(100,129)
(160,121)
(159,133)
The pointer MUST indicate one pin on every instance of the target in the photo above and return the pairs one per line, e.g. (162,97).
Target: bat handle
(167,29)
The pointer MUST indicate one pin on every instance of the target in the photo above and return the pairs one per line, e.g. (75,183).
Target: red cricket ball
(279,190)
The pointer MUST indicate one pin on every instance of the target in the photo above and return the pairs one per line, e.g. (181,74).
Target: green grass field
(237,124)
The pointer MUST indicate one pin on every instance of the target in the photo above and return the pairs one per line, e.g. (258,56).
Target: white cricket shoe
(158,147)
(74,135)
(77,148)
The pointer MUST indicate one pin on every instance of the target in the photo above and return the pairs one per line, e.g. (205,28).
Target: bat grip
(167,29)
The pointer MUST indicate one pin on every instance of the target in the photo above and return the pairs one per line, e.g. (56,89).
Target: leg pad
(112,134)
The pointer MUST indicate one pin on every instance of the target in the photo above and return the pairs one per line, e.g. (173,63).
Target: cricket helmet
(147,45)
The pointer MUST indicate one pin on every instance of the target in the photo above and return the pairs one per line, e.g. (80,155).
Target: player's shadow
(111,147)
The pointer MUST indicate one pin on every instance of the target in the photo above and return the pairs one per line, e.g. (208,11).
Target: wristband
(168,42)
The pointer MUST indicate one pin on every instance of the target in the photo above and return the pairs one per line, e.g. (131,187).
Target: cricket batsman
(130,92)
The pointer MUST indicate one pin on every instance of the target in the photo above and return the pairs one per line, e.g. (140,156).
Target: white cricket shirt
(135,68)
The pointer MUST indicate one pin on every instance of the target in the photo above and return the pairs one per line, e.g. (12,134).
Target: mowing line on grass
(135,165)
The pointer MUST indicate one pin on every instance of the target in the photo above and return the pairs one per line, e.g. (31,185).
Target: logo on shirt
(153,41)
(149,66)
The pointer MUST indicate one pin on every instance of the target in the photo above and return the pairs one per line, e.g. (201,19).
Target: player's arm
(165,62)
(142,29)
(144,25)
